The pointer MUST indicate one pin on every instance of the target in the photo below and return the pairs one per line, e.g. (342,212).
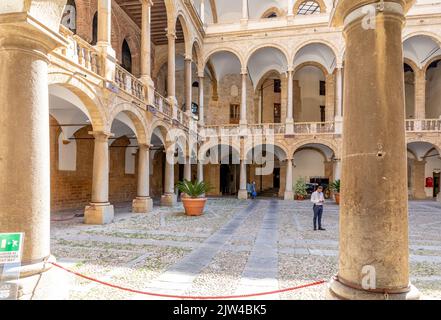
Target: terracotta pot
(337,198)
(300,197)
(194,206)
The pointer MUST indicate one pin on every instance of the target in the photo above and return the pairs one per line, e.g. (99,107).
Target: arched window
(272,15)
(69,19)
(126,61)
(95,29)
(308,7)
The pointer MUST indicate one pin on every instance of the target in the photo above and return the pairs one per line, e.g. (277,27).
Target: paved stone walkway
(236,247)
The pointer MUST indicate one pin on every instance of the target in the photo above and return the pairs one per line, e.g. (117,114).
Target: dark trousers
(318,211)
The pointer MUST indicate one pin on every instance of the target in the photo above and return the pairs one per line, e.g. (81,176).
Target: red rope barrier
(188,297)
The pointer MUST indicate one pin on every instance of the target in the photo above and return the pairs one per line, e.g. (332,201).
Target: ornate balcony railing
(80,52)
(163,105)
(129,83)
(314,127)
(425,125)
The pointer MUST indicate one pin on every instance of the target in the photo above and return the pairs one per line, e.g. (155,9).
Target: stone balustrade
(129,83)
(80,51)
(424,125)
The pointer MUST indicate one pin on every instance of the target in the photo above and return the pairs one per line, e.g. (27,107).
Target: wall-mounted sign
(11,246)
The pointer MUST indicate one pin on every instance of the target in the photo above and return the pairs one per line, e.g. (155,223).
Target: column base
(338,291)
(289,195)
(338,122)
(142,205)
(289,126)
(99,213)
(438,197)
(41,281)
(242,195)
(168,200)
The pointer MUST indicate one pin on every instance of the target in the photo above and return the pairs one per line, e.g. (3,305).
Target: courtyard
(237,247)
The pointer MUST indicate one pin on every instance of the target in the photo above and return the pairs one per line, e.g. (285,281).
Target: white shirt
(317,198)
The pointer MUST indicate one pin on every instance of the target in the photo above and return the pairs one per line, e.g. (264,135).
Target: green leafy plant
(300,188)
(335,186)
(193,189)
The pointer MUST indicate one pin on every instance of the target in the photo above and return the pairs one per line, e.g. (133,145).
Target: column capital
(145,146)
(146,2)
(102,135)
(201,74)
(347,11)
(244,71)
(188,59)
(171,34)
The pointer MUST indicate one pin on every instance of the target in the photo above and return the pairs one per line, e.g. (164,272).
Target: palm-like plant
(193,189)
(335,186)
(300,188)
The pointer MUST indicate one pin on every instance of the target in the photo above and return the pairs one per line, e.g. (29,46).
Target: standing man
(318,199)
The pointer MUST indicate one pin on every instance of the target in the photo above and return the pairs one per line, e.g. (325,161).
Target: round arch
(185,28)
(309,42)
(137,118)
(163,128)
(236,53)
(279,150)
(85,93)
(436,146)
(435,37)
(212,143)
(312,64)
(275,46)
(330,144)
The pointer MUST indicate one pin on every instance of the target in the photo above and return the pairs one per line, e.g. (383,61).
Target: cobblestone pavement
(236,247)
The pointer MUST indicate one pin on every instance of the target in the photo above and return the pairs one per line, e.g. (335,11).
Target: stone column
(24,144)
(244,19)
(100,211)
(200,171)
(187,169)
(339,100)
(289,107)
(243,104)
(330,98)
(374,248)
(337,169)
(290,9)
(289,194)
(169,196)
(171,79)
(203,11)
(146,49)
(419,179)
(188,85)
(201,99)
(420,94)
(143,203)
(243,194)
(104,39)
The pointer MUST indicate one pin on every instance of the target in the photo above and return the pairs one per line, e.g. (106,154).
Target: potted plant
(300,189)
(194,199)
(335,187)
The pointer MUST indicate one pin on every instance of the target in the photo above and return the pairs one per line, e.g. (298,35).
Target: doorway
(436,184)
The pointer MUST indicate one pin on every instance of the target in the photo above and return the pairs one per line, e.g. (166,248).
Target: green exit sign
(10,247)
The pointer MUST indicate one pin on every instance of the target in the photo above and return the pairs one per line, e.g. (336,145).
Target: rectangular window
(323,88)
(234,113)
(277,86)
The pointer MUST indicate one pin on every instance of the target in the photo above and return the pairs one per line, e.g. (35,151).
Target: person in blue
(318,199)
(253,190)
